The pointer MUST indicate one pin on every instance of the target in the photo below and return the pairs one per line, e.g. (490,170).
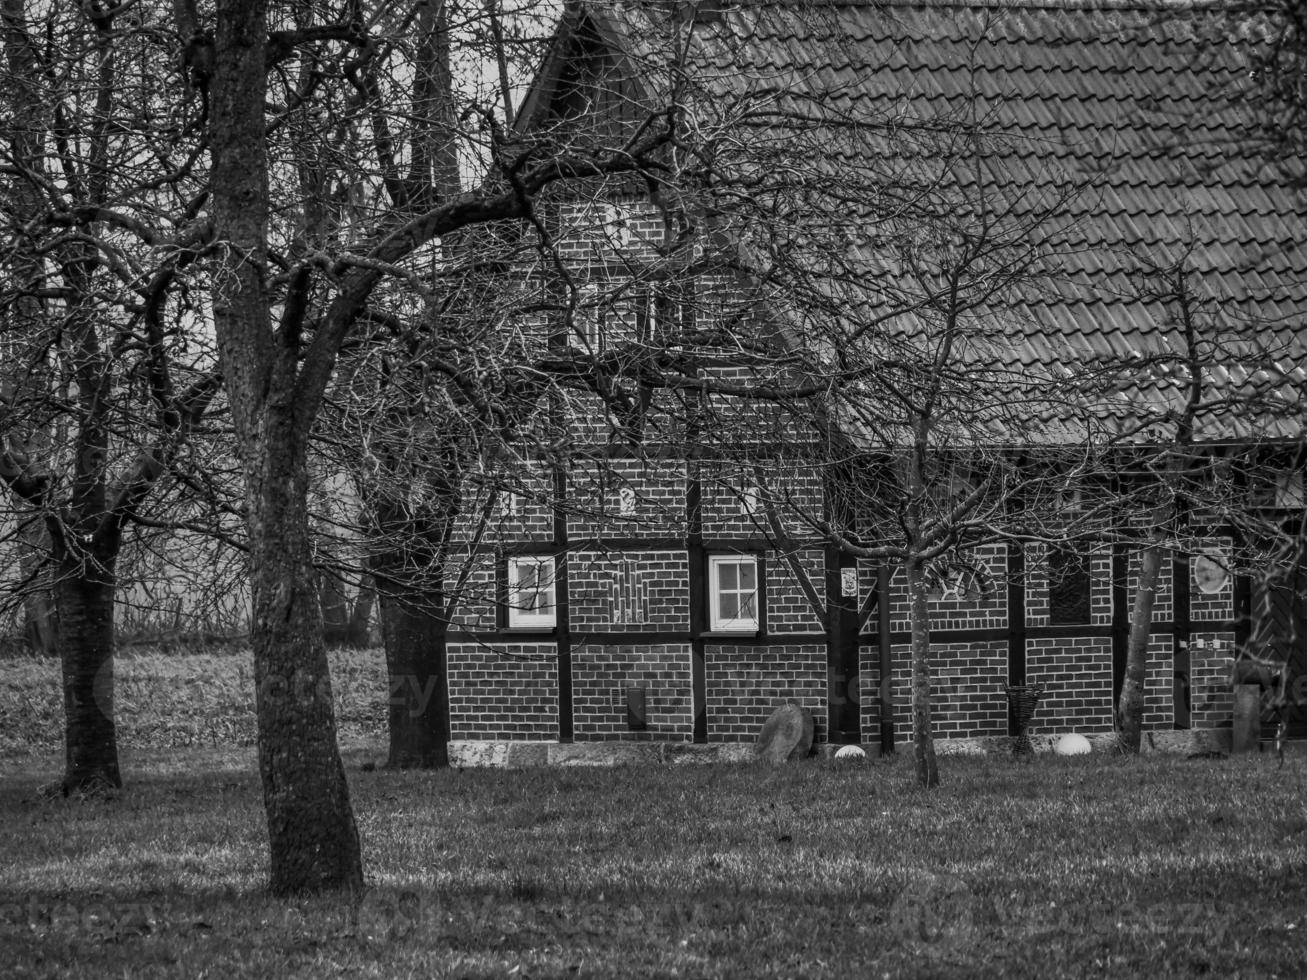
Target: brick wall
(1159,683)
(601,675)
(652,494)
(607,228)
(509,691)
(868,575)
(1163,604)
(1211,698)
(628,591)
(868,692)
(733,504)
(523,511)
(746,684)
(966,691)
(1077,674)
(1100,586)
(788,608)
(986,611)
(474,607)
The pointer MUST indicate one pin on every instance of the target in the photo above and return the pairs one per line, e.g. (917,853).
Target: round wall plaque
(1209,574)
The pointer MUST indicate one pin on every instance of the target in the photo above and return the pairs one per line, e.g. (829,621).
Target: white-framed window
(665,317)
(588,320)
(531,602)
(733,595)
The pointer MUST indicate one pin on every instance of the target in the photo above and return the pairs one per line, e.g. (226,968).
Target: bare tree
(101,390)
(282,320)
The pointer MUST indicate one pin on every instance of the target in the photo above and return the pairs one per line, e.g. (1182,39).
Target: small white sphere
(850,753)
(1072,745)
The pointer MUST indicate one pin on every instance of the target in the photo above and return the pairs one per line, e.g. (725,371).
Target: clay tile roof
(1119,93)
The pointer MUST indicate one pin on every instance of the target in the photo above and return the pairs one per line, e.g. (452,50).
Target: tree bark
(922,736)
(313,840)
(1130,707)
(356,634)
(40,622)
(85,641)
(26,315)
(415,639)
(335,611)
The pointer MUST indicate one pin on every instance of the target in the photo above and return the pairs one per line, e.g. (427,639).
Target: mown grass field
(174,699)
(1158,867)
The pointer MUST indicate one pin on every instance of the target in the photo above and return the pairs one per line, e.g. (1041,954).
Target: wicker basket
(1022,700)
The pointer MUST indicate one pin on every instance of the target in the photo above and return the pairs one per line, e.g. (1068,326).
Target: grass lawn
(1059,867)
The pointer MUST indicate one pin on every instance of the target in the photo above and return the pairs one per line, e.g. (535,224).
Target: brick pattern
(653,493)
(733,506)
(986,611)
(1077,674)
(868,692)
(788,609)
(628,591)
(1211,659)
(1100,587)
(509,691)
(1163,605)
(868,576)
(523,511)
(1159,683)
(475,608)
(601,675)
(746,684)
(966,689)
(619,228)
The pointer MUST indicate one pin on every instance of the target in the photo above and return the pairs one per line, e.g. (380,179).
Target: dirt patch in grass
(1154,867)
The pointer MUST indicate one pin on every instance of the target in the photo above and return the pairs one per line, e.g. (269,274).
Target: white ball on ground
(850,753)
(1072,745)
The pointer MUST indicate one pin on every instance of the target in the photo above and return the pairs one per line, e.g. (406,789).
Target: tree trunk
(85,592)
(335,611)
(40,625)
(415,639)
(922,736)
(25,314)
(360,616)
(1130,708)
(312,837)
(311,831)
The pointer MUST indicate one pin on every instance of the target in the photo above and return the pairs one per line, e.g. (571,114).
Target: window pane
(727,577)
(748,575)
(729,606)
(749,606)
(526,576)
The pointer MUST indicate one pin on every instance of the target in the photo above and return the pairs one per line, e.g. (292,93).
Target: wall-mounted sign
(849,583)
(1209,574)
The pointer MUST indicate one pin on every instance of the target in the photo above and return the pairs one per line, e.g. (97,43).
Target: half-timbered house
(659,594)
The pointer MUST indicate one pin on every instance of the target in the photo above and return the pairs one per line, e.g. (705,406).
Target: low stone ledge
(688,753)
(604,753)
(489,754)
(472,754)
(1190,741)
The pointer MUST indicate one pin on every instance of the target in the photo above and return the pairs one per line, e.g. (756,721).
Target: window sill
(731,634)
